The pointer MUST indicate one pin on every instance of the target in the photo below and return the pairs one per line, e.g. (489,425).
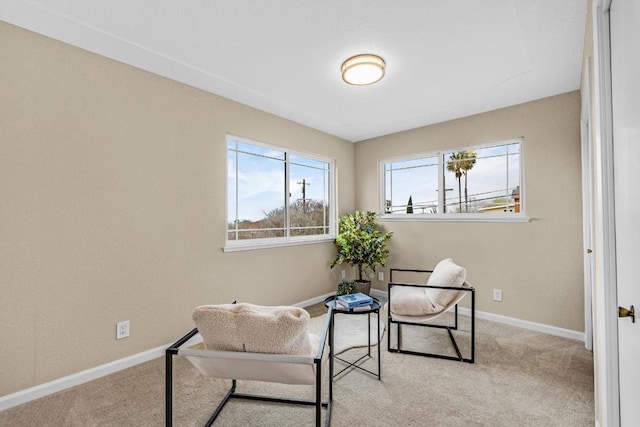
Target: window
(276,196)
(474,183)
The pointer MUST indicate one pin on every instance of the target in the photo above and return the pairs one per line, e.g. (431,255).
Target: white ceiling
(445,58)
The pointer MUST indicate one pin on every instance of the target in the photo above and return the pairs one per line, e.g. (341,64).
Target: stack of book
(357,301)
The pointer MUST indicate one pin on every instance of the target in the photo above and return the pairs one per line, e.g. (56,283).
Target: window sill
(250,245)
(454,218)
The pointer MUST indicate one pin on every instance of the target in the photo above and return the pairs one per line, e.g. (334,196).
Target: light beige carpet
(520,378)
(350,330)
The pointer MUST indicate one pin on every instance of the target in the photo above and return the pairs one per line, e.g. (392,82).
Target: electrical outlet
(122,329)
(497,295)
(344,274)
(381,276)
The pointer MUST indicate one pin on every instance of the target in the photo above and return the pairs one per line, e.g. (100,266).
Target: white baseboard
(54,386)
(36,392)
(379,294)
(525,324)
(313,301)
(32,393)
(60,384)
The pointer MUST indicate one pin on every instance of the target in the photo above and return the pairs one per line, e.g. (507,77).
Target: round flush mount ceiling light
(363,69)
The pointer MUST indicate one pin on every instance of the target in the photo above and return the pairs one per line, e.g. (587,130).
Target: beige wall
(112,207)
(538,265)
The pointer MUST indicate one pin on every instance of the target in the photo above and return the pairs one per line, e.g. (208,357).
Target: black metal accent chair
(241,365)
(419,304)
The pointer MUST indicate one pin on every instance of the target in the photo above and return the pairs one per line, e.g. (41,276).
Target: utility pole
(304,184)
(444,205)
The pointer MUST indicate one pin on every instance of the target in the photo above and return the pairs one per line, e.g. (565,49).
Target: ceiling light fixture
(363,69)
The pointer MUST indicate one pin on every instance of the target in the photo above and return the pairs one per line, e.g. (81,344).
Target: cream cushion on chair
(412,301)
(255,329)
(232,330)
(429,302)
(446,273)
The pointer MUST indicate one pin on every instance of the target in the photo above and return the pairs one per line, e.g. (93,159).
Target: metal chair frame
(176,350)
(398,348)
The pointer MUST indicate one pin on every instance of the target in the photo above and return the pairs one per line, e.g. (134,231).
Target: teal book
(355,300)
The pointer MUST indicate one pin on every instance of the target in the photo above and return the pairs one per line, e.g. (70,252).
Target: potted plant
(360,244)
(346,287)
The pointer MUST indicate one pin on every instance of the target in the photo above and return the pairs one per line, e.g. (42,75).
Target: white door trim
(587,203)
(607,392)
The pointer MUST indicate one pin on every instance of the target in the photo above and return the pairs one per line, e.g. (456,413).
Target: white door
(625,101)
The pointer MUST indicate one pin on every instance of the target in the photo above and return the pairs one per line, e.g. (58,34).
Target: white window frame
(272,242)
(455,217)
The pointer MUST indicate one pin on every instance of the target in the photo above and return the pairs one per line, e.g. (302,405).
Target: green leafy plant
(360,243)
(346,287)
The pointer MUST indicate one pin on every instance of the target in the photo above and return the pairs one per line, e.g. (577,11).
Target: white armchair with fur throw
(420,303)
(259,343)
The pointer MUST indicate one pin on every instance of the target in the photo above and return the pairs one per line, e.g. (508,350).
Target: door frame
(587,202)
(606,369)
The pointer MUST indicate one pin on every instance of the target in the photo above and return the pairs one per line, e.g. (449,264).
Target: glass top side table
(336,309)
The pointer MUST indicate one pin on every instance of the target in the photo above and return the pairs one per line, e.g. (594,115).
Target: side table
(337,309)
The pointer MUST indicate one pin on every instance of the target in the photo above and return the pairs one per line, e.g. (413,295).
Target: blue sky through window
(258,175)
(492,180)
